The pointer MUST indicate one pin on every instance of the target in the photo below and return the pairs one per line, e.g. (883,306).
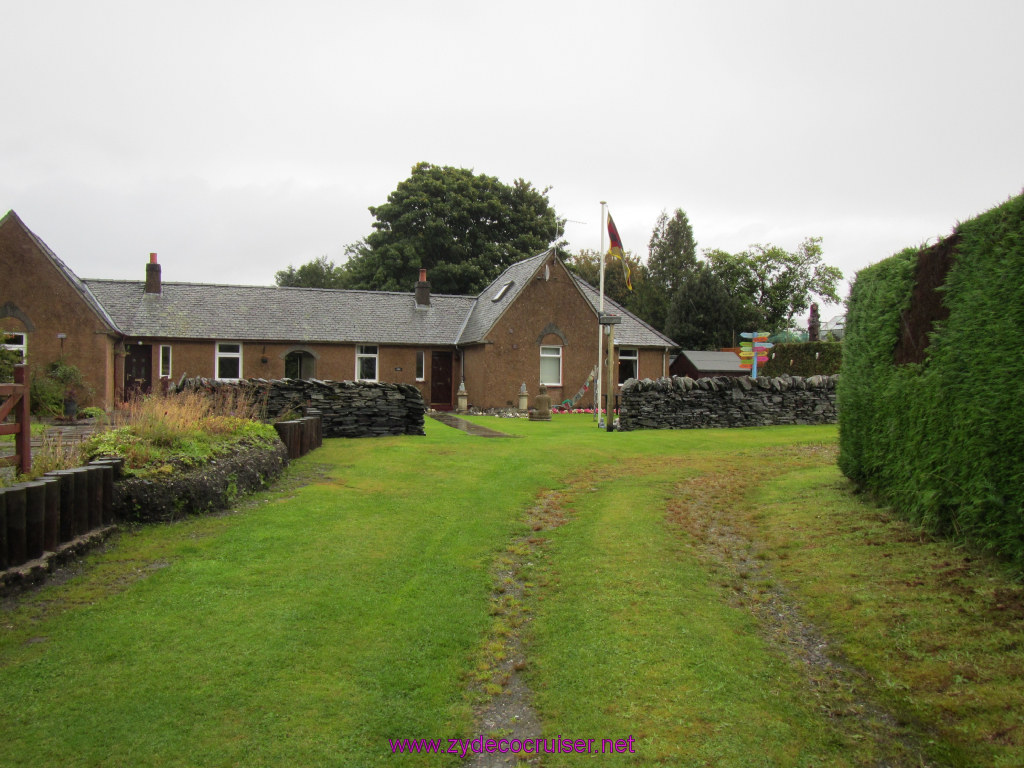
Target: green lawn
(354,604)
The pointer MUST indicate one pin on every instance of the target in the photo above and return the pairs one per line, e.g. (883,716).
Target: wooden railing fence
(14,398)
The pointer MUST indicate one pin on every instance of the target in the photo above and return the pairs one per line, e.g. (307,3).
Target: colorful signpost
(754,351)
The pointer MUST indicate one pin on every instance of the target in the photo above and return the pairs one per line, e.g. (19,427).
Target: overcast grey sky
(235,138)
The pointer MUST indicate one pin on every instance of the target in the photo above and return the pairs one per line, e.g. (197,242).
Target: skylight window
(502,291)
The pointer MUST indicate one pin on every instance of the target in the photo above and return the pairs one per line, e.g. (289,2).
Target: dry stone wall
(346,408)
(680,402)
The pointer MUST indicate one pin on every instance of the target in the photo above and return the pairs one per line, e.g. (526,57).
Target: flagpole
(600,328)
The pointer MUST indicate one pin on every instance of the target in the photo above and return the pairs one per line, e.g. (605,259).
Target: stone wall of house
(680,402)
(346,408)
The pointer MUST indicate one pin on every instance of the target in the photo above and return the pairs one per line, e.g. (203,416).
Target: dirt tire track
(507,711)
(704,507)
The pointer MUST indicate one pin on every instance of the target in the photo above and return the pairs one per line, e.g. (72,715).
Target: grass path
(356,604)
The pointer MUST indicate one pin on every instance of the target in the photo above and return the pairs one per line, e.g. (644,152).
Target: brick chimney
(423,291)
(152,275)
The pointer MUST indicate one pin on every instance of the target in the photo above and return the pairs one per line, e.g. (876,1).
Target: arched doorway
(299,365)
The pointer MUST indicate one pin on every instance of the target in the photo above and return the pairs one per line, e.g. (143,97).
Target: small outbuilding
(699,364)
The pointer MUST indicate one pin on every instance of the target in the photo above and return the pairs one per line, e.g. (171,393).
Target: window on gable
(551,366)
(165,361)
(366,362)
(629,364)
(15,342)
(229,361)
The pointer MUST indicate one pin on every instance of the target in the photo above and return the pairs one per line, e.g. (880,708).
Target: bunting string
(571,401)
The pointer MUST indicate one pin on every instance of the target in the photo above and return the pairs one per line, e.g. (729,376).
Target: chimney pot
(153,275)
(423,290)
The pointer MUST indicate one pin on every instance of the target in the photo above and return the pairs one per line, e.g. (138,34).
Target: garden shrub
(8,359)
(813,358)
(59,381)
(939,437)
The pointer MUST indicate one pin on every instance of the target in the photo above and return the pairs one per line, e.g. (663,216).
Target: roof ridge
(274,287)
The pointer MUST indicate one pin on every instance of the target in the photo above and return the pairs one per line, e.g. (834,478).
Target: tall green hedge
(942,439)
(809,358)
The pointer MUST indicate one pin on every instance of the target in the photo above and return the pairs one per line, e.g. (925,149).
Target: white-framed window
(629,364)
(165,361)
(15,342)
(229,361)
(366,362)
(551,366)
(421,365)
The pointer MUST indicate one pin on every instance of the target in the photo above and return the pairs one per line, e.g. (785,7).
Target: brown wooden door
(441,380)
(138,370)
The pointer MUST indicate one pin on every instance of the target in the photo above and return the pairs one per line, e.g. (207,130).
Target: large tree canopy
(671,261)
(464,228)
(587,264)
(703,314)
(319,273)
(775,283)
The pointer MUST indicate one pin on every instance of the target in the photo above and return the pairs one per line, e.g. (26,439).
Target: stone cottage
(535,324)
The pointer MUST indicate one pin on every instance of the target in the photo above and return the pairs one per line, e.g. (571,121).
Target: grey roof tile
(713,361)
(632,331)
(311,315)
(244,313)
(487,310)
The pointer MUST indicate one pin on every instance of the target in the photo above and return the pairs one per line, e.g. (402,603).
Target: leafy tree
(319,273)
(587,264)
(8,359)
(776,284)
(464,228)
(671,260)
(704,314)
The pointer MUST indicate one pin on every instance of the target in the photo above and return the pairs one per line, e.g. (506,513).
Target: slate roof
(714,361)
(260,313)
(632,331)
(486,310)
(317,315)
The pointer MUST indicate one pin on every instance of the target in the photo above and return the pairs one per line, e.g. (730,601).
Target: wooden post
(23,440)
(3,529)
(106,473)
(288,431)
(608,323)
(612,380)
(95,475)
(15,525)
(35,519)
(17,402)
(51,524)
(81,509)
(66,515)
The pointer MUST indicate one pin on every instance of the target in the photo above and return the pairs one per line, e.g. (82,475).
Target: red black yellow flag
(615,249)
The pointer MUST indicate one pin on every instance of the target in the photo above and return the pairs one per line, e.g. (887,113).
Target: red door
(138,370)
(441,380)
